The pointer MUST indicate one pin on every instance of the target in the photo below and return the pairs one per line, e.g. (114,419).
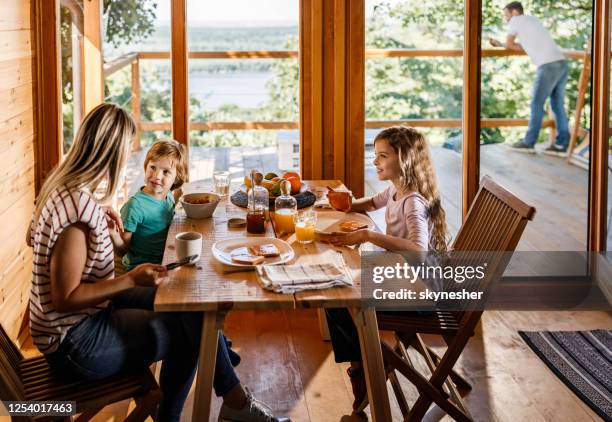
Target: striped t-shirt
(64,208)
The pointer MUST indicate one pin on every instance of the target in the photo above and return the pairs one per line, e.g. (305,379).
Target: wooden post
(48,85)
(180,92)
(355,97)
(471,102)
(583,83)
(311,89)
(136,102)
(92,55)
(598,177)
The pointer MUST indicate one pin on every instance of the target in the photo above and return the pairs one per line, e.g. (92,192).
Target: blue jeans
(128,336)
(550,82)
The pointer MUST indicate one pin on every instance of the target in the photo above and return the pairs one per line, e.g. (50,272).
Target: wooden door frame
(311,89)
(180,72)
(600,100)
(471,103)
(47,86)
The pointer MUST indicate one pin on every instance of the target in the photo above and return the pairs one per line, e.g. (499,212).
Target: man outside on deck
(551,75)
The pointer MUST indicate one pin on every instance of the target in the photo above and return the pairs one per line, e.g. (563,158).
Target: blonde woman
(415,221)
(89,324)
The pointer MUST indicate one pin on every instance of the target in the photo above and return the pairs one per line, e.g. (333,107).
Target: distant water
(244,89)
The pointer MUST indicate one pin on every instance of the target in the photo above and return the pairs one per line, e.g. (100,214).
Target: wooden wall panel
(13,237)
(14,306)
(15,15)
(15,73)
(17,138)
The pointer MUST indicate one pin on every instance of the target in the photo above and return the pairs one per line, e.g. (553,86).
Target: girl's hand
(113,219)
(148,275)
(348,239)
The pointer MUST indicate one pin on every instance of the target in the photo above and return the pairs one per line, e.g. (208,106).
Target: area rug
(582,360)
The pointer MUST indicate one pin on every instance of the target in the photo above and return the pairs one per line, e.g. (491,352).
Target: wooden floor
(286,364)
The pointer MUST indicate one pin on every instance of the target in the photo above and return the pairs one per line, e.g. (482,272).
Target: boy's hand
(113,219)
(148,275)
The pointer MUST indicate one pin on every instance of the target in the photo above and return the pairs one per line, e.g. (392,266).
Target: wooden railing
(133,59)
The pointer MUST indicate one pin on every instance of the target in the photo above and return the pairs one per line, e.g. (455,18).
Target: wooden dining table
(215,289)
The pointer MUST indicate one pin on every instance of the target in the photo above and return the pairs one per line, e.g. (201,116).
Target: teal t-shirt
(148,219)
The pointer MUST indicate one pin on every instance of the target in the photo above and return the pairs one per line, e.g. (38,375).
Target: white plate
(329,221)
(222,249)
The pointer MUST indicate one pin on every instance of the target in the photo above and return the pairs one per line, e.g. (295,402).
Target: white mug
(188,243)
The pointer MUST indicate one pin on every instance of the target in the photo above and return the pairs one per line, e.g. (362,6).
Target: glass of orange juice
(284,220)
(305,227)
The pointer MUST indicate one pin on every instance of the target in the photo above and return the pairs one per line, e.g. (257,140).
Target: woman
(91,325)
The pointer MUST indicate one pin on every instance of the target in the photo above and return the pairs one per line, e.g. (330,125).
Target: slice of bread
(248,259)
(242,255)
(351,226)
(268,250)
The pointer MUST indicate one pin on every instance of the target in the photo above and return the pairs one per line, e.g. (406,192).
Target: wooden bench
(33,379)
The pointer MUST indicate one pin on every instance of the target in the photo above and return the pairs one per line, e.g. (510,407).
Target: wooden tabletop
(209,286)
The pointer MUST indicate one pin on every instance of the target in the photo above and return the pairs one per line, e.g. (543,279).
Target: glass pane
(517,158)
(420,87)
(225,89)
(70,51)
(138,26)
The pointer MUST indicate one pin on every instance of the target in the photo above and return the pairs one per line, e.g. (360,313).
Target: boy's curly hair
(171,149)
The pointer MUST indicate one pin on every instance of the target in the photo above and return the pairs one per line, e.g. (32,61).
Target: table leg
(211,324)
(373,365)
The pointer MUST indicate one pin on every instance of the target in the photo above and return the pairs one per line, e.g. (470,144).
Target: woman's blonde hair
(98,154)
(171,149)
(417,174)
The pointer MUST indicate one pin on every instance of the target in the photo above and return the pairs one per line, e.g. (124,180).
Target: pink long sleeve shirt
(406,217)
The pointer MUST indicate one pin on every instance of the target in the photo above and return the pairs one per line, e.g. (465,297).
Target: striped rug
(582,360)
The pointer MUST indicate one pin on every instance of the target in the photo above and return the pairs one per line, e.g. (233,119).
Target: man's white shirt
(535,39)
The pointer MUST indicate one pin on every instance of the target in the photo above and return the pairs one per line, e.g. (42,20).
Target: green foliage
(128,20)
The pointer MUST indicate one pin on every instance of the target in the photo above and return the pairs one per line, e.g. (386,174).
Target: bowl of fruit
(200,205)
(272,182)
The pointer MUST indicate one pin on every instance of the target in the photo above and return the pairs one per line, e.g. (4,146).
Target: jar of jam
(256,221)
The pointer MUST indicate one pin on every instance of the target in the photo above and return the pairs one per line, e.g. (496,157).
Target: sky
(227,11)
(254,11)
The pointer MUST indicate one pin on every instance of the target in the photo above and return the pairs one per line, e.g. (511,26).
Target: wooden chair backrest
(11,387)
(495,223)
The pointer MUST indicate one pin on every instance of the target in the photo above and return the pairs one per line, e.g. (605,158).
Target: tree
(126,21)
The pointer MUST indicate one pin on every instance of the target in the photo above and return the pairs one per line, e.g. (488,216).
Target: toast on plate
(269,250)
(351,226)
(243,256)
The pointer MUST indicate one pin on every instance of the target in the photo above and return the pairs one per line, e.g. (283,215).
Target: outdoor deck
(558,190)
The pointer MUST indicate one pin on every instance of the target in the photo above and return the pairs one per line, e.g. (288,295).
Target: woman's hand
(148,275)
(347,239)
(113,219)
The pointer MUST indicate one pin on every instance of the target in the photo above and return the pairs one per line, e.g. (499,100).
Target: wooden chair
(32,379)
(495,222)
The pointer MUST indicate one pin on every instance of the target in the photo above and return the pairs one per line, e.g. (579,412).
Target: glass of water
(221,182)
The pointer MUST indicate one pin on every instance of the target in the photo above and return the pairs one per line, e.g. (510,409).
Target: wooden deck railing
(133,59)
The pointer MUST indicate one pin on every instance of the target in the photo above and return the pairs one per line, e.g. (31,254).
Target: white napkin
(297,278)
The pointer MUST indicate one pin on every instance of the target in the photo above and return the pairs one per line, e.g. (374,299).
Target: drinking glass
(305,224)
(221,182)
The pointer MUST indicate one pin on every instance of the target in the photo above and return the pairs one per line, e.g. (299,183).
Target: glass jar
(256,221)
(285,209)
(258,196)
